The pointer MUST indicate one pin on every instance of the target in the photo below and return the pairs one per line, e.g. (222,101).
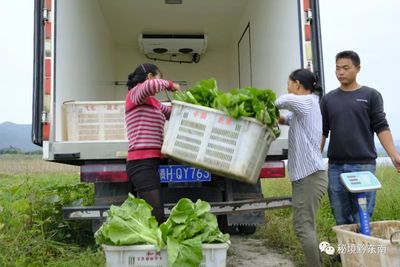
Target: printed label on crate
(116,107)
(225,120)
(88,107)
(200,114)
(148,257)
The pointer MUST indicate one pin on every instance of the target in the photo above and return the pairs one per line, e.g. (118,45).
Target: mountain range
(16,136)
(19,136)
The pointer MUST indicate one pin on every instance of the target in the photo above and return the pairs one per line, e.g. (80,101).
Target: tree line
(16,150)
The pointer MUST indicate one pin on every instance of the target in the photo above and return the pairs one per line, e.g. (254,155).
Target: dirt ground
(246,252)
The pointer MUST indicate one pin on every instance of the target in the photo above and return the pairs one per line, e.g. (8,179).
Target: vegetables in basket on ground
(130,224)
(188,226)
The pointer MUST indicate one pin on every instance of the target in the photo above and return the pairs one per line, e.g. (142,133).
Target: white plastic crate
(209,139)
(95,120)
(214,255)
(357,249)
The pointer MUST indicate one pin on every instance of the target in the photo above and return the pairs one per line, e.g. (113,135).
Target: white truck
(84,51)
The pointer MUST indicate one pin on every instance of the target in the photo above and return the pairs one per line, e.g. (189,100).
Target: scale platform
(357,182)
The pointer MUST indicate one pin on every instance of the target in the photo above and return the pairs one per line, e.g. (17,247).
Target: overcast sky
(369,27)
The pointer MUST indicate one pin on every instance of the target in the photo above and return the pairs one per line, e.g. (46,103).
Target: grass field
(33,233)
(24,164)
(278,232)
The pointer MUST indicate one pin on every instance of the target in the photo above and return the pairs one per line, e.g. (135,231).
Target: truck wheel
(231,229)
(224,227)
(247,229)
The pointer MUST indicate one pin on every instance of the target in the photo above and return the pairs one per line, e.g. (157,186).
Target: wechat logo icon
(326,247)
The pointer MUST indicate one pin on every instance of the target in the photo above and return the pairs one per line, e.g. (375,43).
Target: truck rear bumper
(217,208)
(86,150)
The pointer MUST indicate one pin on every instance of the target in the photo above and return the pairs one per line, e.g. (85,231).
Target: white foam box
(94,120)
(214,255)
(209,139)
(382,248)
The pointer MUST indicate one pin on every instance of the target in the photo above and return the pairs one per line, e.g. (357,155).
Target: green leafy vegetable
(246,102)
(188,226)
(130,224)
(203,93)
(184,253)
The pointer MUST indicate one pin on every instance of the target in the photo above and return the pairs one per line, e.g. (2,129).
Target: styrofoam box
(209,139)
(214,255)
(95,120)
(370,251)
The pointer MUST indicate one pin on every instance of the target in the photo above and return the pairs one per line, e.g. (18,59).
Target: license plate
(182,173)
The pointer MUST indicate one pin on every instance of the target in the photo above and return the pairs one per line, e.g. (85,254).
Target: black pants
(145,179)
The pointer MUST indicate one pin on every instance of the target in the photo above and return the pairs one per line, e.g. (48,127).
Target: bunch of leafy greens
(203,93)
(188,226)
(130,224)
(247,102)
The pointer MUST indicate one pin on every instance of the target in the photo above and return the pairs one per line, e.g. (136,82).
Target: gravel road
(247,252)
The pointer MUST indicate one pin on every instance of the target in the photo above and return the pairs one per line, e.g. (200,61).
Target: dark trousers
(145,179)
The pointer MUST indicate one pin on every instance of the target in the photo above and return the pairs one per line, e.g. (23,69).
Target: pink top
(145,117)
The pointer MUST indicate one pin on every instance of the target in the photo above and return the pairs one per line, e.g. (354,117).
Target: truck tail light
(104,173)
(46,131)
(273,169)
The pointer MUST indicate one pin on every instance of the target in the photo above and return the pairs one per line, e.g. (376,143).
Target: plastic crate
(209,139)
(214,255)
(357,249)
(95,120)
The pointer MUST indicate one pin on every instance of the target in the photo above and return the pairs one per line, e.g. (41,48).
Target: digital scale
(360,183)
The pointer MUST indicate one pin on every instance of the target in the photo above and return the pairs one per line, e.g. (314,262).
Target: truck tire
(224,227)
(247,229)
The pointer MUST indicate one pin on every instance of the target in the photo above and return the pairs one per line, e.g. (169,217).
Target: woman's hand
(176,87)
(281,120)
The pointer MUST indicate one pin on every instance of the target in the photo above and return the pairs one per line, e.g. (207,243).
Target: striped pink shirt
(145,118)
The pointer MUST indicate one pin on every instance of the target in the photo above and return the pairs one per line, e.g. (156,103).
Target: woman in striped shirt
(305,165)
(145,117)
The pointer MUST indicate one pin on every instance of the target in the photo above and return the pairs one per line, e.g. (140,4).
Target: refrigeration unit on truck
(84,50)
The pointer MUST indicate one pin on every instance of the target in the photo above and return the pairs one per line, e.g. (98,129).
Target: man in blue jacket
(351,115)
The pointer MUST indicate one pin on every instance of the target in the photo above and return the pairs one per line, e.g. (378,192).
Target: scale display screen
(363,181)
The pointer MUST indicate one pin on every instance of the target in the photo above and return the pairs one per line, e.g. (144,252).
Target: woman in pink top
(145,117)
